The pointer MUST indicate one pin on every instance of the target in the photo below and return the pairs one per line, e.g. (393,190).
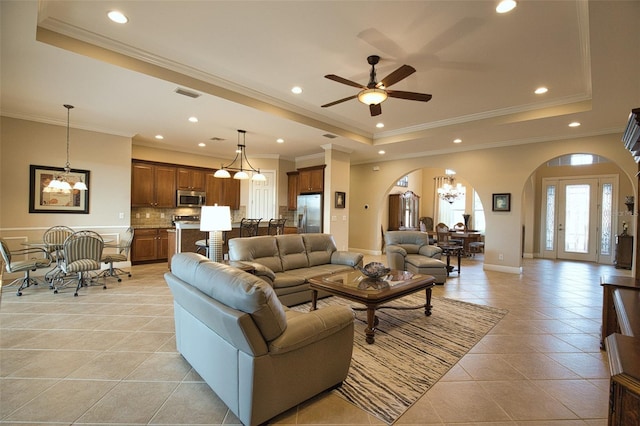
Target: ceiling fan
(374,93)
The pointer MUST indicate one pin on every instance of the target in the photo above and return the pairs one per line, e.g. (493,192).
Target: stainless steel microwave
(190,198)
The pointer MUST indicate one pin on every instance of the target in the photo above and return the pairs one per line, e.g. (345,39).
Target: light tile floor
(109,357)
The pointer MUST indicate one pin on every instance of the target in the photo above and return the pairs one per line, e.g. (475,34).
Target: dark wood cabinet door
(144,246)
(163,244)
(231,193)
(311,180)
(213,189)
(190,179)
(142,185)
(165,180)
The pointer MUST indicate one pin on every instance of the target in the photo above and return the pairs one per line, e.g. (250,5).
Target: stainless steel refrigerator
(309,213)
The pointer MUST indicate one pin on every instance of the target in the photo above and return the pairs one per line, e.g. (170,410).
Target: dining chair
(249,227)
(53,239)
(122,255)
(26,266)
(82,254)
(276,226)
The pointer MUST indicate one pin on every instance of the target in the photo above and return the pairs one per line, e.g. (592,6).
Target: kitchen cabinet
(190,179)
(150,245)
(292,188)
(624,251)
(311,179)
(153,185)
(223,192)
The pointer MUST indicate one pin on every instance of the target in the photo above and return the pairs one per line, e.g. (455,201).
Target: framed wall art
(501,202)
(340,200)
(46,200)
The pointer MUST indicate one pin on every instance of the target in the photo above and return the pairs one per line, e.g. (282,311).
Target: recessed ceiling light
(202,144)
(574,124)
(296,89)
(159,137)
(541,90)
(381,152)
(380,125)
(280,140)
(506,6)
(457,140)
(193,119)
(117,17)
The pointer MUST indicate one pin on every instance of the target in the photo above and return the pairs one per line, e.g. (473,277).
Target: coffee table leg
(314,299)
(427,305)
(459,256)
(371,325)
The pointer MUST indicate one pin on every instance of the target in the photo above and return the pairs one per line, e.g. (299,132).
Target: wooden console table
(609,284)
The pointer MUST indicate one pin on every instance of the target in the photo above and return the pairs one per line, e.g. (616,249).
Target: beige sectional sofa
(258,356)
(287,262)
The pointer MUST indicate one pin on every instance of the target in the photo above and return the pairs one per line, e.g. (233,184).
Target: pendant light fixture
(240,172)
(61,181)
(448,192)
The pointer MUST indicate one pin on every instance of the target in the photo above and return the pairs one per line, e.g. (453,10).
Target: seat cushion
(420,261)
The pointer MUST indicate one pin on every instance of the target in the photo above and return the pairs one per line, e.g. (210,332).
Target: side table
(449,250)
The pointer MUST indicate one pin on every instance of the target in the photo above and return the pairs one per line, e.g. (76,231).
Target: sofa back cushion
(234,288)
(292,251)
(411,241)
(319,248)
(263,250)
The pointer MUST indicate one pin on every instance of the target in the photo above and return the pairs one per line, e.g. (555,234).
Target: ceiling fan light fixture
(372,96)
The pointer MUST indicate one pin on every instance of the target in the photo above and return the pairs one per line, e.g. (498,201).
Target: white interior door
(262,196)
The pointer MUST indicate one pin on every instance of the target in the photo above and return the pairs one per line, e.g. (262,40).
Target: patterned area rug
(411,351)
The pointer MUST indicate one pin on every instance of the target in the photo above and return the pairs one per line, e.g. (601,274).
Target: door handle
(560,227)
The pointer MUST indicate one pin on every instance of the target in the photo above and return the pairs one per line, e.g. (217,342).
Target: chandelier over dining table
(241,172)
(450,191)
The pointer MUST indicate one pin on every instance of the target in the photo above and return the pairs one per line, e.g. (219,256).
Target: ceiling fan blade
(412,96)
(339,101)
(399,74)
(344,81)
(375,109)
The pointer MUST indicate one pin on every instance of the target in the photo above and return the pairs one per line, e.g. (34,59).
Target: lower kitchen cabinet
(150,245)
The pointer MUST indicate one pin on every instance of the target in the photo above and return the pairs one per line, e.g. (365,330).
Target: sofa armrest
(262,271)
(346,258)
(430,251)
(305,328)
(396,250)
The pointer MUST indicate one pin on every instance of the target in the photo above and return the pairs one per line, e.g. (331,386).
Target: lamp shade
(221,173)
(215,218)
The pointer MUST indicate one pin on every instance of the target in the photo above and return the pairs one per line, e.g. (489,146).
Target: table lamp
(215,219)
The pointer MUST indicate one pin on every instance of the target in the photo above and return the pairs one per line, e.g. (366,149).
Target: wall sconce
(629,201)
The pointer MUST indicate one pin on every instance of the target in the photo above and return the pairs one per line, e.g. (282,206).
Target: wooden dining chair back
(82,254)
(37,258)
(442,233)
(276,226)
(249,227)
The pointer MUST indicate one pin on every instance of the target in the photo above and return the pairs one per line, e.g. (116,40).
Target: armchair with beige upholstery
(411,251)
(258,356)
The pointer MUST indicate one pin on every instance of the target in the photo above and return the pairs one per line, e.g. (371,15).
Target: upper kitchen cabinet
(223,192)
(311,179)
(191,179)
(152,185)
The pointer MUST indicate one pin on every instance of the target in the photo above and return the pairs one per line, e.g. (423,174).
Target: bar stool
(276,227)
(249,227)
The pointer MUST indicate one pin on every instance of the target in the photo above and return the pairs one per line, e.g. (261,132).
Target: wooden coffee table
(356,287)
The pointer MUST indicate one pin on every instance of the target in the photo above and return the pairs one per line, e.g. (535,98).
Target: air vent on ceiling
(188,93)
(329,135)
(215,138)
